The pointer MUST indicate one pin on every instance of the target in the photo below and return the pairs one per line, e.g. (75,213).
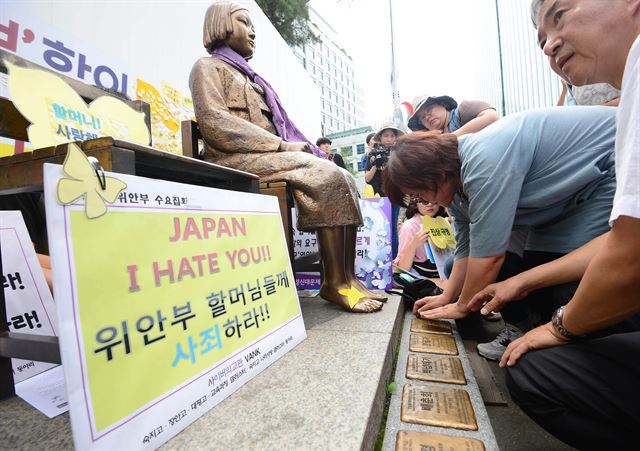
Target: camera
(381,155)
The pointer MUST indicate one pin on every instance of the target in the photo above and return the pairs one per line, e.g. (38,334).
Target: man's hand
(494,297)
(541,337)
(430,302)
(294,147)
(451,311)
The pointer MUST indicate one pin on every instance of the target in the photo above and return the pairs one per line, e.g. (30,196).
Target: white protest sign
(30,307)
(169,301)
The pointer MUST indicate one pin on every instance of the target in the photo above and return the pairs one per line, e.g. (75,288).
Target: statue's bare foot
(349,298)
(355,282)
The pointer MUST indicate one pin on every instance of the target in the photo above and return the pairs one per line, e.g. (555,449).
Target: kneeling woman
(412,254)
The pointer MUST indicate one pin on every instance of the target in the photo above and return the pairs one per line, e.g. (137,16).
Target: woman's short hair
(217,24)
(422,161)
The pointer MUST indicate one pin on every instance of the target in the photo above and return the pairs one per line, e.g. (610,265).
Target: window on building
(360,149)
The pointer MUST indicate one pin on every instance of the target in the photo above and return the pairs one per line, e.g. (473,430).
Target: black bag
(414,288)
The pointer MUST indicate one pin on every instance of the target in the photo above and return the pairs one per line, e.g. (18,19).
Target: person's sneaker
(494,349)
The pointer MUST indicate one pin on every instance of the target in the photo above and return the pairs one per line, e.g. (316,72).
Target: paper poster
(169,106)
(169,302)
(46,392)
(373,247)
(30,307)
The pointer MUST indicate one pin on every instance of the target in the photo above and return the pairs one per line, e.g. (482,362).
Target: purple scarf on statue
(286,129)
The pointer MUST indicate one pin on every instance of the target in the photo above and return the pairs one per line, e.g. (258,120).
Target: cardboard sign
(373,247)
(30,307)
(169,302)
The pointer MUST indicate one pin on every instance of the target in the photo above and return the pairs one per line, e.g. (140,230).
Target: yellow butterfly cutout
(84,182)
(37,94)
(353,295)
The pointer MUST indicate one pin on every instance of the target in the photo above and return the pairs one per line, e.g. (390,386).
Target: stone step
(328,393)
(405,430)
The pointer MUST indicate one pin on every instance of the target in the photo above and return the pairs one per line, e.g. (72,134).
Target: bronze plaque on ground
(421,441)
(433,343)
(431,326)
(438,406)
(437,369)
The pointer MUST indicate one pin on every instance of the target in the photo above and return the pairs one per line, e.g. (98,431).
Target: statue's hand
(294,147)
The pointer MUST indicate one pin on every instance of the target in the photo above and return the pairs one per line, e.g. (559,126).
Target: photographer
(385,139)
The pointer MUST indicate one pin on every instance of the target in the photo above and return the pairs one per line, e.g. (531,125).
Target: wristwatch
(556,322)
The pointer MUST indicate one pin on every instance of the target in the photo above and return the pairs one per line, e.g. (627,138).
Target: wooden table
(23,172)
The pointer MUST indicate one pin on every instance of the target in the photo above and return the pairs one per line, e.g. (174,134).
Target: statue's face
(241,39)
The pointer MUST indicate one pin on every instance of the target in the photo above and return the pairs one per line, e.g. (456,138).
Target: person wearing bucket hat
(443,113)
(385,139)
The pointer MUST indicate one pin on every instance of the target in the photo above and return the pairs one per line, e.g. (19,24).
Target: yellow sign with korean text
(172,299)
(59,115)
(440,232)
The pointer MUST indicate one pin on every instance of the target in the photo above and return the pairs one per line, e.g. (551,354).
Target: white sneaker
(493,350)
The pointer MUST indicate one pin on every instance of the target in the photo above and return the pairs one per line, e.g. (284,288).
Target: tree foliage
(291,19)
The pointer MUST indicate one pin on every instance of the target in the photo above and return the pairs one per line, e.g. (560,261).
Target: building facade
(332,70)
(517,75)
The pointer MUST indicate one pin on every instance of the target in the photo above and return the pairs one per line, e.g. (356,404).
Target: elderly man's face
(579,38)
